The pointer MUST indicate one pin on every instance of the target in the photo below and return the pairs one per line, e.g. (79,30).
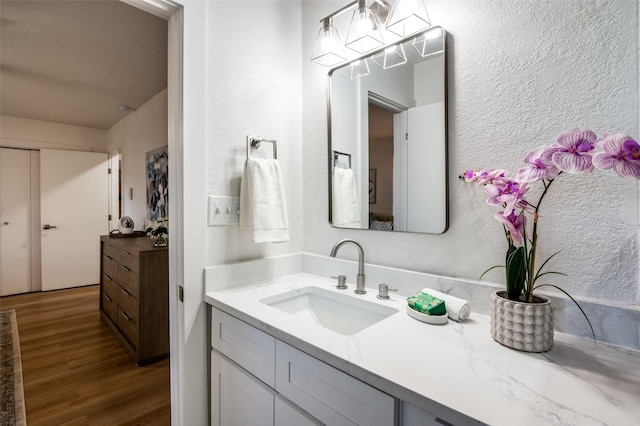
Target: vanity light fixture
(370,17)
(390,57)
(408,17)
(328,50)
(364,34)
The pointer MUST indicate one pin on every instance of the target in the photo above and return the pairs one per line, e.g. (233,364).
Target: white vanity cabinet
(238,398)
(259,380)
(413,416)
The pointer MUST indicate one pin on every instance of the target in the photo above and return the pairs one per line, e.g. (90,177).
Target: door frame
(186,136)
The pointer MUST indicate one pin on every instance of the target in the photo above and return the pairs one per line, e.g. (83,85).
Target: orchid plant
(575,151)
(157,227)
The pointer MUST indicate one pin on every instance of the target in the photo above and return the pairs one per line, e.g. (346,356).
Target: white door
(426,171)
(15,200)
(74,206)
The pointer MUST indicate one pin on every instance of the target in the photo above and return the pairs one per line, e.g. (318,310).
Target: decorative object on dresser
(134,296)
(158,231)
(125,225)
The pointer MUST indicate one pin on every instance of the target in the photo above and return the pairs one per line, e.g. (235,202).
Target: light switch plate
(223,210)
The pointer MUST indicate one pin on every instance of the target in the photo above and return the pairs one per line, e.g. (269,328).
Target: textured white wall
(254,87)
(521,71)
(138,133)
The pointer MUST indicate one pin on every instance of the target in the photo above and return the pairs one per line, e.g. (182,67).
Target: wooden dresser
(134,296)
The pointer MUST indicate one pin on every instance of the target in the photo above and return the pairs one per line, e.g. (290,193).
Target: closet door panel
(15,210)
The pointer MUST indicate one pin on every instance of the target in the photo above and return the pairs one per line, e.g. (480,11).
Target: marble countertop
(456,371)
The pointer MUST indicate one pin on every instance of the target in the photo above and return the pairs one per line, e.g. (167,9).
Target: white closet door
(15,198)
(74,206)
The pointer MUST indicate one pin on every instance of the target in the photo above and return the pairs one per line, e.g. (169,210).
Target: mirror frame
(446,127)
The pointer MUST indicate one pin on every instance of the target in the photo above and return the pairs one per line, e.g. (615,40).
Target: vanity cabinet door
(249,347)
(238,398)
(287,414)
(329,395)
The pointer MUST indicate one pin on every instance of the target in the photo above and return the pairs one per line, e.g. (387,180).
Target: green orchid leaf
(516,272)
(490,269)
(593,334)
(550,272)
(538,275)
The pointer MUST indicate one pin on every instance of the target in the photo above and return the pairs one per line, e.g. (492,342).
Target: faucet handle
(342,282)
(383,291)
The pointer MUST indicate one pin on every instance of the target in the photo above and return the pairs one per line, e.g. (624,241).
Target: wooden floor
(75,372)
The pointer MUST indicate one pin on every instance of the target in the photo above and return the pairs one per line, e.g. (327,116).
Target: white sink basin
(342,313)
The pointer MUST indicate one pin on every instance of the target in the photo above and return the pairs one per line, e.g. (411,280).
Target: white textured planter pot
(523,326)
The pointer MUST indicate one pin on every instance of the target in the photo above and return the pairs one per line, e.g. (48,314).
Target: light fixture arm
(359,4)
(339,12)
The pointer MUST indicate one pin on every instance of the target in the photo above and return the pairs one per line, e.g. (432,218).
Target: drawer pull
(108,277)
(126,269)
(125,292)
(124,251)
(125,316)
(108,298)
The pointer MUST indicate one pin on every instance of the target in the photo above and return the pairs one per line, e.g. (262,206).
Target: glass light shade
(328,50)
(390,57)
(364,34)
(429,43)
(408,17)
(355,69)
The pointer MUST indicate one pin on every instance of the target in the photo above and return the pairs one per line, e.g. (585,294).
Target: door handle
(48,227)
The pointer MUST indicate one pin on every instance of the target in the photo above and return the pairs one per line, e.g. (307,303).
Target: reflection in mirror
(388,138)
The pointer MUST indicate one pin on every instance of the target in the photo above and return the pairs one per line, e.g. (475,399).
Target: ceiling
(77,62)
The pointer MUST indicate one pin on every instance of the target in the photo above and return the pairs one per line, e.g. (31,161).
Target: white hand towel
(262,204)
(344,200)
(457,309)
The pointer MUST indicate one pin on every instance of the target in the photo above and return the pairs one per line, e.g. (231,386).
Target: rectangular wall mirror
(388,138)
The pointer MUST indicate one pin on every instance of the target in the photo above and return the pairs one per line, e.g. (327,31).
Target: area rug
(12,404)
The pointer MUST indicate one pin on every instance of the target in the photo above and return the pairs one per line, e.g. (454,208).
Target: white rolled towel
(457,309)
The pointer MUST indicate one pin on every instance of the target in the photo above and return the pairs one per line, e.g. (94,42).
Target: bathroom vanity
(270,351)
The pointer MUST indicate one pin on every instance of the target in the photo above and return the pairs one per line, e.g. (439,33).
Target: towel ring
(336,154)
(254,142)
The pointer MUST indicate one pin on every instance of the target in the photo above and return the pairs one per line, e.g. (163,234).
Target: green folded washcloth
(427,304)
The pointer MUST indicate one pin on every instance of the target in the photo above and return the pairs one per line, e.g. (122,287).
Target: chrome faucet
(360,280)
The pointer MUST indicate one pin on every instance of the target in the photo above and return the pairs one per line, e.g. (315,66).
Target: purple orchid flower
(621,153)
(483,177)
(572,151)
(508,193)
(515,225)
(537,169)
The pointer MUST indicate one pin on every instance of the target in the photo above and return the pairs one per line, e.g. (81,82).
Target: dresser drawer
(110,251)
(328,394)
(110,286)
(129,304)
(249,347)
(128,327)
(110,267)
(128,280)
(130,260)
(110,306)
